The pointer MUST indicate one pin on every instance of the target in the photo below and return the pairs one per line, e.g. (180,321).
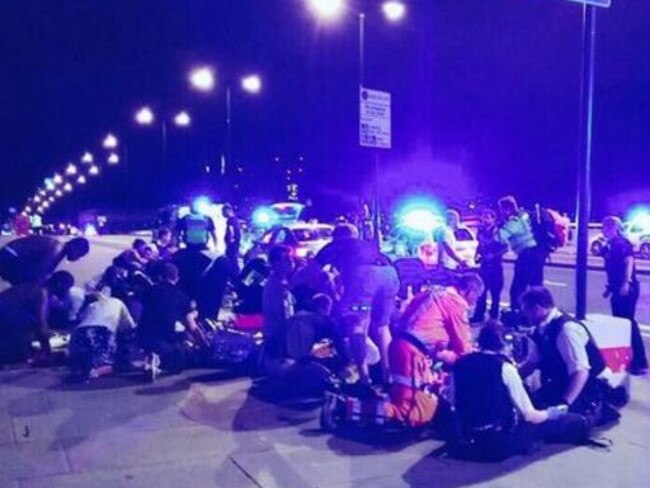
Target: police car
(305,239)
(638,235)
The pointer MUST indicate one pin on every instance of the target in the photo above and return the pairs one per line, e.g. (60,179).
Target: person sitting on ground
(307,328)
(164,243)
(163,306)
(134,258)
(94,341)
(309,280)
(567,357)
(66,300)
(439,318)
(495,416)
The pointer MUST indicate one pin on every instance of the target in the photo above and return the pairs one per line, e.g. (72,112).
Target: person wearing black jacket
(567,357)
(623,288)
(495,416)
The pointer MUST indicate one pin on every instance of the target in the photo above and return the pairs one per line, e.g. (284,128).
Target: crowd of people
(347,322)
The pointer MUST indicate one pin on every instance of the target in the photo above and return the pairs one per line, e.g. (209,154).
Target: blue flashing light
(421,215)
(639,216)
(202,205)
(264,217)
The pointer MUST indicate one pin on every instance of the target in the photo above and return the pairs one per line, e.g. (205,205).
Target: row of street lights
(201,79)
(74,174)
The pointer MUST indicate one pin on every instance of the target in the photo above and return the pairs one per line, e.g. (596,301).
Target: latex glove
(557,411)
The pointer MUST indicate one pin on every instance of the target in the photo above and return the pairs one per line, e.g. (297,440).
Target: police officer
(566,356)
(623,288)
(517,232)
(495,415)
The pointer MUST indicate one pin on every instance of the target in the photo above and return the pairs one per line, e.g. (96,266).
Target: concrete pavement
(204,429)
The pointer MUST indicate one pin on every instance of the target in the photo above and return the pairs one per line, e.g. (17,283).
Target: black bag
(546,232)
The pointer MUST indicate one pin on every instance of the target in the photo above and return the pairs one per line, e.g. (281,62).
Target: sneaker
(152,367)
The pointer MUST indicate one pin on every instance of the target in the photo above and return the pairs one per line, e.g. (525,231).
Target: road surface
(210,428)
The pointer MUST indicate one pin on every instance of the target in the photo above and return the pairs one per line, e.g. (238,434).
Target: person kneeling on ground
(439,318)
(163,306)
(94,341)
(495,416)
(568,359)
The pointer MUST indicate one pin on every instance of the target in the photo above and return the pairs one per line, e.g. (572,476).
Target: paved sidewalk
(205,429)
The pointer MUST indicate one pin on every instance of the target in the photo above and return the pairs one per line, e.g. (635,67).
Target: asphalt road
(211,428)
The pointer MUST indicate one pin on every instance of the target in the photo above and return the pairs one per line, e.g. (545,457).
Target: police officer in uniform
(567,357)
(495,416)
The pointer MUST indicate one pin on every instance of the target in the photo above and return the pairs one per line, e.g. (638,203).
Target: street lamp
(182,119)
(87,158)
(144,116)
(94,170)
(251,84)
(71,170)
(37,199)
(58,179)
(327,9)
(58,193)
(110,142)
(81,180)
(67,187)
(202,78)
(113,158)
(394,10)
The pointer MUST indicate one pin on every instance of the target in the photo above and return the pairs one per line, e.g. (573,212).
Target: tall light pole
(393,11)
(204,79)
(146,117)
(584,161)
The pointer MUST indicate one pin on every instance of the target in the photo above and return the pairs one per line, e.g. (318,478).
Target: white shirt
(571,343)
(448,237)
(107,312)
(74,301)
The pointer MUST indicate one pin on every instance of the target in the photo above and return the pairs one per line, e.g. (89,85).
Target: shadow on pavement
(452,473)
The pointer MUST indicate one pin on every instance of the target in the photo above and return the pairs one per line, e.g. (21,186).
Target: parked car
(638,235)
(304,239)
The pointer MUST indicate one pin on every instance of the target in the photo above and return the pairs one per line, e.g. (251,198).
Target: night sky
(485,98)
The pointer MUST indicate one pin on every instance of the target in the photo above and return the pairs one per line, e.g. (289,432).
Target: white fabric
(107,312)
(74,301)
(516,390)
(571,343)
(447,237)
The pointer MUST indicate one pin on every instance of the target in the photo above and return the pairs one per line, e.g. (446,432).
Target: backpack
(548,234)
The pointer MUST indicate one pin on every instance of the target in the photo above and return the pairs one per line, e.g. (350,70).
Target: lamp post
(393,11)
(203,79)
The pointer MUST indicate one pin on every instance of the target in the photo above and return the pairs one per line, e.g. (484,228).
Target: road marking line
(555,283)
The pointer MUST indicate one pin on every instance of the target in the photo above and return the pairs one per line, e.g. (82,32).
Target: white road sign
(595,3)
(374,118)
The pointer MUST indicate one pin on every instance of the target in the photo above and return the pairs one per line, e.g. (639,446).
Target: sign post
(374,118)
(375,132)
(584,161)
